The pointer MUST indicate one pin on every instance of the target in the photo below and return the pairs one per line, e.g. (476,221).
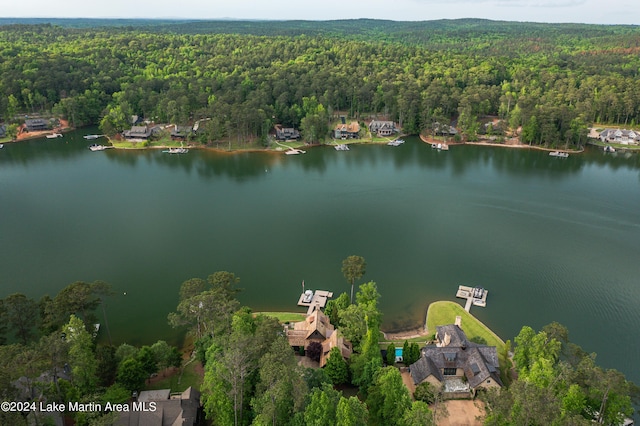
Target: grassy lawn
(444,312)
(598,142)
(146,144)
(177,383)
(285,316)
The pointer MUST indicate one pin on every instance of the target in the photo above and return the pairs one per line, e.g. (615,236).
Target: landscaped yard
(285,316)
(444,312)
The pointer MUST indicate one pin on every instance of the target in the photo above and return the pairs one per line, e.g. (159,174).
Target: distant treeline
(552,80)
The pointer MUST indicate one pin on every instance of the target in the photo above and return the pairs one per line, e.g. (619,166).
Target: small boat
(609,148)
(176,151)
(440,146)
(396,142)
(97,147)
(1,146)
(342,147)
(90,137)
(54,135)
(559,154)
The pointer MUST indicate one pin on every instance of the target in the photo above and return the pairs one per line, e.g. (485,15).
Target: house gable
(317,328)
(138,132)
(454,356)
(36,124)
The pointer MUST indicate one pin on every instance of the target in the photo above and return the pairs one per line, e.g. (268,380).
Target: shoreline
(516,145)
(424,332)
(65,128)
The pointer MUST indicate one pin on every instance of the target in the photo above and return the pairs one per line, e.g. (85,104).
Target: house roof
(335,340)
(138,132)
(181,131)
(35,122)
(423,368)
(286,132)
(451,335)
(376,125)
(610,133)
(171,410)
(352,127)
(454,350)
(317,327)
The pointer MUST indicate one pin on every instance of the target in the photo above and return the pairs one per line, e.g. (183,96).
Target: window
(450,371)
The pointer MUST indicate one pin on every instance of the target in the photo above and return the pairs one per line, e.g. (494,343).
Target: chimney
(458,321)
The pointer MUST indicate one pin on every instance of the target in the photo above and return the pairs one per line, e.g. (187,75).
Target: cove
(551,239)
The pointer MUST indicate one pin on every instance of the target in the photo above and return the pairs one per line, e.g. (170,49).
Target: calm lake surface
(551,239)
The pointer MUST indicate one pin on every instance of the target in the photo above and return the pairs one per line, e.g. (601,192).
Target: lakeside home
(347,131)
(286,133)
(317,328)
(383,128)
(181,132)
(36,124)
(621,136)
(138,132)
(456,365)
(161,407)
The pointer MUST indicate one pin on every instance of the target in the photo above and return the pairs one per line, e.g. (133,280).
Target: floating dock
(314,300)
(476,296)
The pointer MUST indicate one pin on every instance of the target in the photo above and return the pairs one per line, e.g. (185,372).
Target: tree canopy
(552,80)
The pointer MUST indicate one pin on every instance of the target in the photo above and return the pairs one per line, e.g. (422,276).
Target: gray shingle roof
(478,362)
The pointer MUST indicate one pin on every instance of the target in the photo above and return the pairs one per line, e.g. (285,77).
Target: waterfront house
(37,124)
(347,131)
(182,408)
(181,132)
(286,133)
(138,132)
(317,328)
(444,129)
(3,131)
(456,365)
(382,128)
(621,136)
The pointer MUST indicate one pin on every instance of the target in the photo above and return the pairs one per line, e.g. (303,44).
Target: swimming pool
(398,354)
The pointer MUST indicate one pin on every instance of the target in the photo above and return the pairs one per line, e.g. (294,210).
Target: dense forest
(550,81)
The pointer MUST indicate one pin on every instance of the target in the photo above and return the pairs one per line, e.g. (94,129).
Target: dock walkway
(319,300)
(476,296)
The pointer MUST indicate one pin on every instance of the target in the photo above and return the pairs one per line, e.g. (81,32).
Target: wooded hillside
(553,80)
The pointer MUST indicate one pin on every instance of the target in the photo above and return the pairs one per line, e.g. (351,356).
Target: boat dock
(476,296)
(314,300)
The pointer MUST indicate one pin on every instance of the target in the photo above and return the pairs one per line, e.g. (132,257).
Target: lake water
(551,239)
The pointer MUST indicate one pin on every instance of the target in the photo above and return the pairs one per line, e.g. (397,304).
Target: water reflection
(561,232)
(252,165)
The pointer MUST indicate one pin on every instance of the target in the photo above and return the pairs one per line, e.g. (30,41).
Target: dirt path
(463,413)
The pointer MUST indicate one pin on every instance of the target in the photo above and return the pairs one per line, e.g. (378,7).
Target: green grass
(177,383)
(598,142)
(444,312)
(285,316)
